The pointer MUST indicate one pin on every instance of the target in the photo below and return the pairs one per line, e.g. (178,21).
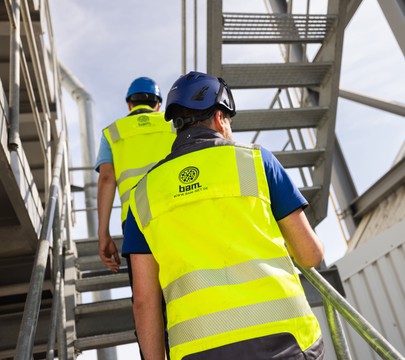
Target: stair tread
(255,76)
(278,119)
(105,340)
(299,158)
(248,28)
(103,282)
(103,306)
(90,246)
(93,262)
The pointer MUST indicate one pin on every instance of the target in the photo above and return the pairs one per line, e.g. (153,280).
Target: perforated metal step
(278,119)
(275,28)
(256,76)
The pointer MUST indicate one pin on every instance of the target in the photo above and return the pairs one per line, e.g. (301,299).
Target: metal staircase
(103,323)
(28,132)
(315,81)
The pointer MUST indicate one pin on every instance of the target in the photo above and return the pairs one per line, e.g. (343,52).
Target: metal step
(255,76)
(95,327)
(311,192)
(86,247)
(105,340)
(299,158)
(241,28)
(94,263)
(88,258)
(10,327)
(278,119)
(104,282)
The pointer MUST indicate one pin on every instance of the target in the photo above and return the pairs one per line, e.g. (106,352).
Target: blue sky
(106,46)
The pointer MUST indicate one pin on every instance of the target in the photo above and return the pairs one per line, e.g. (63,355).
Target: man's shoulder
(248,145)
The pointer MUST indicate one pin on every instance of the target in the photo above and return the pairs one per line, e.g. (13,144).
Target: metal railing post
(26,336)
(336,331)
(57,261)
(14,92)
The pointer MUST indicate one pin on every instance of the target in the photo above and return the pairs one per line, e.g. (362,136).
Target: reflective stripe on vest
(238,318)
(246,271)
(224,270)
(137,143)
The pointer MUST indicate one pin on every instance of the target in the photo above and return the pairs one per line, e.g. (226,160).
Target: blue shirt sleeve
(134,241)
(284,194)
(104,153)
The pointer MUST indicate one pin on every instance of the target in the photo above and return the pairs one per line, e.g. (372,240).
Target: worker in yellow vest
(213,228)
(129,147)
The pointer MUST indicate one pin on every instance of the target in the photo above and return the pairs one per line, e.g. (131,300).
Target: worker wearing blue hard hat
(213,227)
(129,147)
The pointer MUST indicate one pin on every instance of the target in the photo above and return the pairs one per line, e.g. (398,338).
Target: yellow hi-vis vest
(223,266)
(137,143)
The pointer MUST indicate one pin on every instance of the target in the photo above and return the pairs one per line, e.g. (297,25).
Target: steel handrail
(39,77)
(376,341)
(26,336)
(15,61)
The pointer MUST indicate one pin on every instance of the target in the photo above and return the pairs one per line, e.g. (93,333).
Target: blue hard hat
(143,86)
(199,91)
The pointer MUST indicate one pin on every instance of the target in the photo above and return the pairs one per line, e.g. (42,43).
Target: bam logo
(187,176)
(189,187)
(143,120)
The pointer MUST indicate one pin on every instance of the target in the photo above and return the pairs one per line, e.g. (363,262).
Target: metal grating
(278,119)
(275,28)
(256,76)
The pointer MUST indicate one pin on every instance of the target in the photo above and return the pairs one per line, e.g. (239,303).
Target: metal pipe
(195,35)
(184,37)
(62,343)
(14,85)
(61,318)
(29,31)
(50,353)
(398,109)
(337,334)
(26,336)
(33,103)
(85,105)
(376,341)
(68,204)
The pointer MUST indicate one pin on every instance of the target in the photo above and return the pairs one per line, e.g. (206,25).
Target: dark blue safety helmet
(144,89)
(199,91)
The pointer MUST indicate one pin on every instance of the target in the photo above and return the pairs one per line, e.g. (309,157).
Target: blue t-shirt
(285,198)
(104,153)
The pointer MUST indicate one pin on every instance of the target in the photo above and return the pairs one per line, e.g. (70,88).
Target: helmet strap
(180,122)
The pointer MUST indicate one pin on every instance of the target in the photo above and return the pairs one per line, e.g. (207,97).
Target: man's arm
(147,306)
(302,242)
(105,197)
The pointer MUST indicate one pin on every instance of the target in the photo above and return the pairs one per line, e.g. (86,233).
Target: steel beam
(394,11)
(398,109)
(384,187)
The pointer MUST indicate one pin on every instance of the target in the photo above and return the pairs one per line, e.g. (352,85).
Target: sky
(106,46)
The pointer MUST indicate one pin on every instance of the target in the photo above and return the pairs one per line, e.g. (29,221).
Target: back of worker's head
(144,91)
(195,97)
